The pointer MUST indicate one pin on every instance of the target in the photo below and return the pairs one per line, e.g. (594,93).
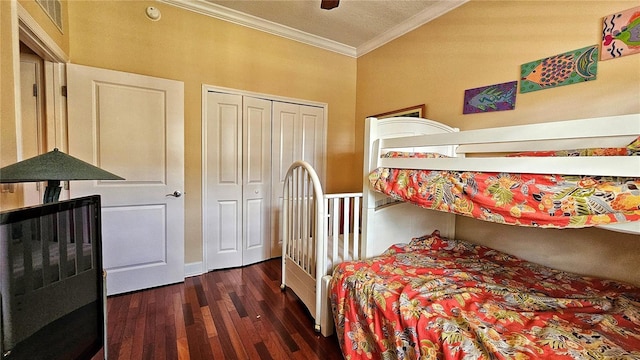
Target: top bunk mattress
(537,200)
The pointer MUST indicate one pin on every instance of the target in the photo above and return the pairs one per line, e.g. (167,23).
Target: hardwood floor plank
(169,328)
(137,344)
(248,337)
(160,349)
(196,332)
(262,349)
(238,313)
(197,285)
(150,321)
(210,326)
(266,331)
(125,349)
(180,325)
(183,349)
(198,347)
(216,348)
(283,333)
(236,351)
(237,303)
(187,314)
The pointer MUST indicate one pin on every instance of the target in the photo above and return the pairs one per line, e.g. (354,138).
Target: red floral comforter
(445,299)
(557,201)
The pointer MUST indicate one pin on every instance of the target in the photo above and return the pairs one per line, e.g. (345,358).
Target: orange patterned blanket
(437,298)
(556,201)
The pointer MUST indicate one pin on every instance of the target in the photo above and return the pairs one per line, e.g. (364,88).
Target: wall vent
(53,8)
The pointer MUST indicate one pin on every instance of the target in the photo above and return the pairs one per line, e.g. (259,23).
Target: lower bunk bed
(436,297)
(319,231)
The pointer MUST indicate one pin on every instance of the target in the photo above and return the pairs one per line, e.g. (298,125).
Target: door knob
(175,194)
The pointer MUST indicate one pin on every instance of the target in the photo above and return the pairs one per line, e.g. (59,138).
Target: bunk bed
(319,231)
(419,292)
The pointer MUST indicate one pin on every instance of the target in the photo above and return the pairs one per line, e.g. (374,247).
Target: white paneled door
(132,126)
(256,184)
(222,202)
(237,180)
(298,134)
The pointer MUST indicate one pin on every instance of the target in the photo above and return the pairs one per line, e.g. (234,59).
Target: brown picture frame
(411,111)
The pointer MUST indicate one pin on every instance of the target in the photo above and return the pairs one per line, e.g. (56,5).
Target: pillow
(438,245)
(432,241)
(405,154)
(633,149)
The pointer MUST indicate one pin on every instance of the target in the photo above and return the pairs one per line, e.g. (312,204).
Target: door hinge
(64,90)
(35,90)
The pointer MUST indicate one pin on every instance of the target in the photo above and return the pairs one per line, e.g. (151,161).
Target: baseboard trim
(193,269)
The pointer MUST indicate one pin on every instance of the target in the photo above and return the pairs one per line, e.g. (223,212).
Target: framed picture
(620,34)
(412,111)
(563,69)
(496,97)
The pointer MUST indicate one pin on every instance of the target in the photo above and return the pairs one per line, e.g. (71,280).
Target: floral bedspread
(557,201)
(437,298)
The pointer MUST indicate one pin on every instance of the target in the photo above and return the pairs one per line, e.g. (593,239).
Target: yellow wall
(197,50)
(7,98)
(8,153)
(485,42)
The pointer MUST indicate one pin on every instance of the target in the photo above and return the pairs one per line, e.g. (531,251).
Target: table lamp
(53,167)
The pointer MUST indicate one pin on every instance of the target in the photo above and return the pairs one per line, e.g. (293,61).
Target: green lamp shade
(54,166)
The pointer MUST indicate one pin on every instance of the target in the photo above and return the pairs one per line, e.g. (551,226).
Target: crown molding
(253,22)
(412,23)
(222,13)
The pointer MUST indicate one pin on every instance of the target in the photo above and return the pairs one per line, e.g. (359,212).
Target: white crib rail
(301,211)
(318,232)
(342,218)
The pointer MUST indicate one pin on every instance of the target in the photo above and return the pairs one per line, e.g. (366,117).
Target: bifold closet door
(298,134)
(256,184)
(223,181)
(237,176)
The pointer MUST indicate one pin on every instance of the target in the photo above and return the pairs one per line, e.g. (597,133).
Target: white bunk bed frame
(313,231)
(384,224)
(404,221)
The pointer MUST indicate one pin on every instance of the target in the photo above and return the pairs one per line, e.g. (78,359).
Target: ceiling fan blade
(329,4)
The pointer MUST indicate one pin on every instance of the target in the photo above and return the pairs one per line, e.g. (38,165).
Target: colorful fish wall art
(564,69)
(496,97)
(621,34)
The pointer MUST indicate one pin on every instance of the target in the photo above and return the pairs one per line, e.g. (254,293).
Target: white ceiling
(353,28)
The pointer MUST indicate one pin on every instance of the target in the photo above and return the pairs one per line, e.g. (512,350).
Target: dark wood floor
(225,314)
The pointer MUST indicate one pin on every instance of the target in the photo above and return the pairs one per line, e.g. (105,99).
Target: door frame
(201,268)
(55,59)
(27,30)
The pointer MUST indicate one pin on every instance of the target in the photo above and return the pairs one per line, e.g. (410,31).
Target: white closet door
(311,143)
(222,208)
(256,169)
(298,134)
